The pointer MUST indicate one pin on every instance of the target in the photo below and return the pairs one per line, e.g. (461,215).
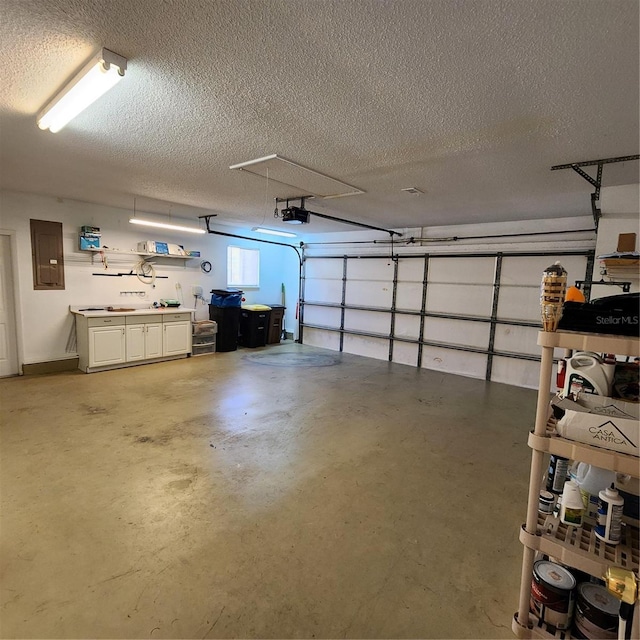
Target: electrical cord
(145,272)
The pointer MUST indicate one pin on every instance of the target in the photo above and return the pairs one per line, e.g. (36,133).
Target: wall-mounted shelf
(137,253)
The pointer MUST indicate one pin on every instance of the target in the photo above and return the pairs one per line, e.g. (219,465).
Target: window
(243,267)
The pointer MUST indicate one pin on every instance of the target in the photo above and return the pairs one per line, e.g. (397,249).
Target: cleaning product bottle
(591,481)
(572,508)
(587,373)
(557,474)
(609,527)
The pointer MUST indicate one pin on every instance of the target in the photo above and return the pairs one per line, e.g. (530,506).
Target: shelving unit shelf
(603,458)
(575,547)
(579,547)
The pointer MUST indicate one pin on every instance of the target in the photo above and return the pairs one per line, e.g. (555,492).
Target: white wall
(46,326)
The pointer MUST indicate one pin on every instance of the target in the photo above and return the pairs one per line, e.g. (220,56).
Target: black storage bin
(228,319)
(254,326)
(225,310)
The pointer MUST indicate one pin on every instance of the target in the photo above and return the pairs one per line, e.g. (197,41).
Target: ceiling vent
(279,169)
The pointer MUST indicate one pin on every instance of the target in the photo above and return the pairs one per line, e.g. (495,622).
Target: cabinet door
(135,342)
(106,346)
(176,338)
(153,340)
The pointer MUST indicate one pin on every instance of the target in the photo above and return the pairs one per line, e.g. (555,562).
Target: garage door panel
(526,372)
(369,321)
(378,269)
(407,327)
(369,347)
(409,296)
(404,353)
(458,332)
(323,290)
(527,270)
(462,270)
(320,338)
(325,316)
(369,294)
(519,303)
(411,270)
(323,269)
(516,339)
(474,300)
(451,361)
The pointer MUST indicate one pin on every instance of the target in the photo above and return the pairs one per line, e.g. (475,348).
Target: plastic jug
(591,481)
(588,373)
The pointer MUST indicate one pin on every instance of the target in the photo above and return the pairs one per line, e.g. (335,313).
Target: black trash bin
(225,310)
(254,327)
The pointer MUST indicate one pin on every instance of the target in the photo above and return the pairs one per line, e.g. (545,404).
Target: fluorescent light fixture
(273,232)
(101,73)
(163,225)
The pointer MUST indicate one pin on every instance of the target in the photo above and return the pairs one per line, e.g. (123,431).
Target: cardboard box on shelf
(608,423)
(626,242)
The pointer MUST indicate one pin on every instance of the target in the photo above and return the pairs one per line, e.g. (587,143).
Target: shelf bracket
(595,182)
(626,286)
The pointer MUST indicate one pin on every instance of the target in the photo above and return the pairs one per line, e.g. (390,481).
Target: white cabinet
(176,337)
(107,341)
(113,341)
(153,340)
(578,548)
(144,338)
(135,342)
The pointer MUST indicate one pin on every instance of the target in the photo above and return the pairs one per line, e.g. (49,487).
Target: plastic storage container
(203,339)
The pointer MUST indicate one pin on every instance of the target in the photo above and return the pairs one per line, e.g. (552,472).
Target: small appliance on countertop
(169,302)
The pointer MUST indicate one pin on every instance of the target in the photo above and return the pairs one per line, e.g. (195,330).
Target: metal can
(546,502)
(596,612)
(552,594)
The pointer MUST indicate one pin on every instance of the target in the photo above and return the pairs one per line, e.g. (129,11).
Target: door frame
(13,248)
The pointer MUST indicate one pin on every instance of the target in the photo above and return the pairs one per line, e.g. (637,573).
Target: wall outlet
(196,290)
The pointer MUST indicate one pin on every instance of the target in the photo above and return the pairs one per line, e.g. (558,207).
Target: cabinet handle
(123,332)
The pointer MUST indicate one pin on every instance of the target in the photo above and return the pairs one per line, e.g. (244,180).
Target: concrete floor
(286,492)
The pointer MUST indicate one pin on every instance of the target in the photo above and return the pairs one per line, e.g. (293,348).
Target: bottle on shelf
(609,523)
(592,480)
(572,507)
(557,474)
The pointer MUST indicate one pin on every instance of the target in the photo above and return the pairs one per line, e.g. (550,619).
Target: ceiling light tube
(163,225)
(101,73)
(274,232)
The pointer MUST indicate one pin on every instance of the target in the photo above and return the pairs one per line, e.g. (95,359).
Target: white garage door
(476,315)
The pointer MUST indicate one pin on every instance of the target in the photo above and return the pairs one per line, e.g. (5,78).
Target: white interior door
(8,337)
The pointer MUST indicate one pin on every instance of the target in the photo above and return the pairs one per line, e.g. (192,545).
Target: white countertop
(98,313)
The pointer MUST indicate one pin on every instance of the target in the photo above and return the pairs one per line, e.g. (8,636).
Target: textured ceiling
(471,101)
